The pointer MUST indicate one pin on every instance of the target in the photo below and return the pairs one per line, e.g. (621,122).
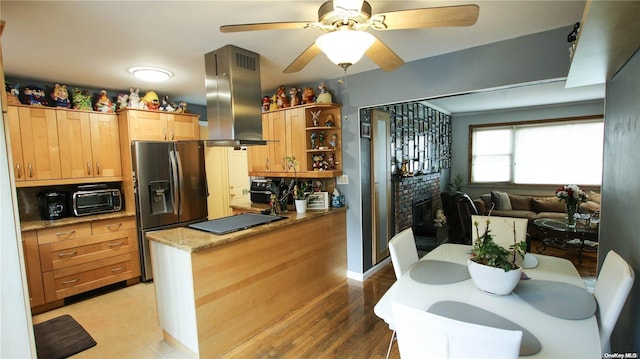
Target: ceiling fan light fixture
(345,47)
(151,74)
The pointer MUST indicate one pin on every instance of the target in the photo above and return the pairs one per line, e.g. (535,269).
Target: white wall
(16,333)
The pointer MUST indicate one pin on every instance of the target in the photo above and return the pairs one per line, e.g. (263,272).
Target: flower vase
(572,208)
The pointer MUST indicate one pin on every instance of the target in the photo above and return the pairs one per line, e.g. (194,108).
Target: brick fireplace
(407,192)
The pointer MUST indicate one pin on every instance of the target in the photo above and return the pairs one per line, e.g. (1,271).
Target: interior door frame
(378,253)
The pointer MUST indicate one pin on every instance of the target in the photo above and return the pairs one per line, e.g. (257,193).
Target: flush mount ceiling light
(151,74)
(345,47)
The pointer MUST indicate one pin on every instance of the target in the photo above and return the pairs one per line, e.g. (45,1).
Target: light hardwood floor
(337,324)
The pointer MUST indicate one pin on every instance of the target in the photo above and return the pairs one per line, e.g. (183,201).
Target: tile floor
(124,323)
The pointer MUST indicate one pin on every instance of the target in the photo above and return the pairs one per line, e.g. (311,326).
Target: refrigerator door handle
(180,179)
(174,178)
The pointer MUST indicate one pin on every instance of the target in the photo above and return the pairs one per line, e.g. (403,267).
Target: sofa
(530,207)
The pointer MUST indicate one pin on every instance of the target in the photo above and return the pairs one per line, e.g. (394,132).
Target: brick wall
(406,189)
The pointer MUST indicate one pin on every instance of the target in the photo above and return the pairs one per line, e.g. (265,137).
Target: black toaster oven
(92,199)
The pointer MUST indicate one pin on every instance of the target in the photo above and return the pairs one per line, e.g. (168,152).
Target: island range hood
(234,112)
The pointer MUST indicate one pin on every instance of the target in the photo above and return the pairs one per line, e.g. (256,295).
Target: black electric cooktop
(235,223)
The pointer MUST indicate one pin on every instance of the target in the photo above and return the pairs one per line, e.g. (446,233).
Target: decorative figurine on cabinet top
(282,99)
(324,96)
(150,101)
(308,95)
(81,99)
(12,94)
(123,100)
(266,103)
(104,103)
(166,105)
(134,98)
(61,96)
(182,107)
(34,96)
(295,96)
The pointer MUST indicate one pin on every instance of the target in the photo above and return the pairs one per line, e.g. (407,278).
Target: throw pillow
(548,204)
(501,199)
(520,203)
(589,207)
(594,196)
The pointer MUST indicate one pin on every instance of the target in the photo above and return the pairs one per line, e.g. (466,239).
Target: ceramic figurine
(150,101)
(295,96)
(313,140)
(321,139)
(324,96)
(266,103)
(61,96)
(282,99)
(12,94)
(123,100)
(330,121)
(134,98)
(331,162)
(166,105)
(104,103)
(34,96)
(308,95)
(315,117)
(334,141)
(274,102)
(81,99)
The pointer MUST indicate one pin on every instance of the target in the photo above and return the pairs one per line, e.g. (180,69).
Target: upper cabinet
(58,146)
(606,40)
(310,133)
(89,144)
(161,126)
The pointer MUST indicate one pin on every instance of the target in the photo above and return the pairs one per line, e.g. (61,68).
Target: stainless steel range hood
(233,97)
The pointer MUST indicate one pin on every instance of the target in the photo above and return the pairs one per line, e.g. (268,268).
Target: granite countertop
(34,225)
(192,240)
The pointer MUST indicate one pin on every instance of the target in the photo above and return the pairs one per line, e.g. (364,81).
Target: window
(540,152)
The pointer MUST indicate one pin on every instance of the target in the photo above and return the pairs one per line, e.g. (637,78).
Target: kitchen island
(214,292)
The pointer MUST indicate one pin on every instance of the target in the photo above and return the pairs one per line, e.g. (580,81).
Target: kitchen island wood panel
(213,299)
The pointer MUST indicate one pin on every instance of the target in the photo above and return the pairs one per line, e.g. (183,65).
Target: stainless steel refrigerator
(170,187)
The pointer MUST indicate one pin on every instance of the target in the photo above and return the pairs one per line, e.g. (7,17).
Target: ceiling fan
(345,40)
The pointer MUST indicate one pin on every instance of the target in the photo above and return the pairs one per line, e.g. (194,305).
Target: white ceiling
(93,43)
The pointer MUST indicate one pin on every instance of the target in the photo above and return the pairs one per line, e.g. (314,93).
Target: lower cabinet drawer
(73,280)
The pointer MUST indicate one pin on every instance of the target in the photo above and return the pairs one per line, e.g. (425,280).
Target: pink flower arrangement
(571,193)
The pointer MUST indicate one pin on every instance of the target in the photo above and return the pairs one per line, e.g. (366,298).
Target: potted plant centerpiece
(492,267)
(300,189)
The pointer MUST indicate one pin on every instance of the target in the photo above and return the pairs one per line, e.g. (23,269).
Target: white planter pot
(301,205)
(493,280)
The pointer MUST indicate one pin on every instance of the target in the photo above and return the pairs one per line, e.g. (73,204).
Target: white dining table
(559,338)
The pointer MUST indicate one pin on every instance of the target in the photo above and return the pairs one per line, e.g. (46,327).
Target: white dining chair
(425,335)
(611,290)
(403,250)
(404,254)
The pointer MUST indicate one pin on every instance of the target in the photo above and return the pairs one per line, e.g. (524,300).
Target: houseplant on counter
(300,189)
(492,267)
(573,196)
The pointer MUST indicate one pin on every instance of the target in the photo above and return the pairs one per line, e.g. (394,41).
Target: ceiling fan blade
(463,15)
(303,59)
(383,56)
(267,26)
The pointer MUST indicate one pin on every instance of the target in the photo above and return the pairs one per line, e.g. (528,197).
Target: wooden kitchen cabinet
(85,256)
(34,143)
(89,144)
(288,132)
(32,266)
(161,126)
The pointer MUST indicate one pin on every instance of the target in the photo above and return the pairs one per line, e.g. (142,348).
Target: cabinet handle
(68,234)
(71,281)
(98,168)
(114,225)
(118,269)
(30,170)
(111,245)
(165,134)
(173,135)
(266,164)
(88,168)
(18,172)
(67,254)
